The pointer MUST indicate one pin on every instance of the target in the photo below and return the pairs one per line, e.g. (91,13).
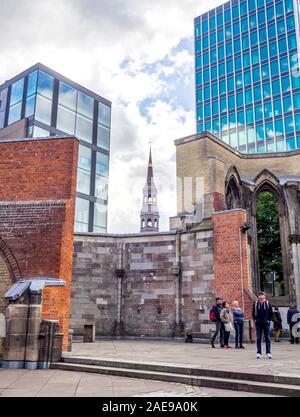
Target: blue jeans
(239,331)
(260,329)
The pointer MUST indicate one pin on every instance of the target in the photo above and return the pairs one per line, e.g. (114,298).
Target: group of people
(227,320)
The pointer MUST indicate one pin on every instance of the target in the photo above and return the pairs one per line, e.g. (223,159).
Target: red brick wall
(37,203)
(227,258)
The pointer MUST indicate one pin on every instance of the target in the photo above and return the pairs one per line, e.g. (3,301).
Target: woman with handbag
(227,319)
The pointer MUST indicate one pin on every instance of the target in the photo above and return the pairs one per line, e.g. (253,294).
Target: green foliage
(268,234)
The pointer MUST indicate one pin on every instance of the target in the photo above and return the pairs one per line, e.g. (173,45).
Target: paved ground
(51,383)
(286,357)
(63,383)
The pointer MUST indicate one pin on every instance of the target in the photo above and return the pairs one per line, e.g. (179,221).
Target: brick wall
(228,241)
(37,199)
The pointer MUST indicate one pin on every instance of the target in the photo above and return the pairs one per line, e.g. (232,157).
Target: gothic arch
(233,190)
(10,261)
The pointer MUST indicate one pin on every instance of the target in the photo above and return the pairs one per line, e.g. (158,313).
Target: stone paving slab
(52,383)
(286,357)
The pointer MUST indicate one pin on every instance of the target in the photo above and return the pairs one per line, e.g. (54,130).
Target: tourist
(291,319)
(215,318)
(262,314)
(238,321)
(277,320)
(227,320)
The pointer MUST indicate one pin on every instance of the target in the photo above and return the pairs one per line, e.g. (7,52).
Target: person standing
(277,320)
(215,318)
(292,321)
(227,319)
(238,321)
(262,314)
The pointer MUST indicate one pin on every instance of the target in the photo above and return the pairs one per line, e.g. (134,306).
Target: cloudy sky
(138,54)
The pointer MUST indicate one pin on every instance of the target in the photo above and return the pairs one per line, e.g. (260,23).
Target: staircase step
(203,381)
(183,370)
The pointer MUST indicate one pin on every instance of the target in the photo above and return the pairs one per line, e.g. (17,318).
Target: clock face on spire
(149,212)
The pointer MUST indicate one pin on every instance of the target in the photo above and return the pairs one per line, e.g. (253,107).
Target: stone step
(182,370)
(203,381)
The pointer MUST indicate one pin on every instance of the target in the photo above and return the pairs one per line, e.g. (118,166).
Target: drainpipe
(176,270)
(242,229)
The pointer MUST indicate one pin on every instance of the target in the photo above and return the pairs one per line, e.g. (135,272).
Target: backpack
(212,315)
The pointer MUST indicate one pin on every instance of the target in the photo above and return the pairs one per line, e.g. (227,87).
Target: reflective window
(85,105)
(103,137)
(84,128)
(81,215)
(65,120)
(32,83)
(84,158)
(102,164)
(30,105)
(83,181)
(17,92)
(100,215)
(101,188)
(43,110)
(45,85)
(67,96)
(14,113)
(38,132)
(3,101)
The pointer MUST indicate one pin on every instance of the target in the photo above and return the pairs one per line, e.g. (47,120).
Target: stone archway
(233,190)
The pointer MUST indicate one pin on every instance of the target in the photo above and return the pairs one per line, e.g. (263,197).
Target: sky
(136,53)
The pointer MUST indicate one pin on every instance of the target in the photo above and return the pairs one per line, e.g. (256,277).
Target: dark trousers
(219,329)
(239,332)
(293,339)
(260,329)
(226,338)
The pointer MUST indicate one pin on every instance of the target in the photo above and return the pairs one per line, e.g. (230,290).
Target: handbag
(228,327)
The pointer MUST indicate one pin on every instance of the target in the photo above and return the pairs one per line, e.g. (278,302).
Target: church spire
(149,212)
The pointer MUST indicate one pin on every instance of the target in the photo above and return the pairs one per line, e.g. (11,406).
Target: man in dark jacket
(292,320)
(262,314)
(216,310)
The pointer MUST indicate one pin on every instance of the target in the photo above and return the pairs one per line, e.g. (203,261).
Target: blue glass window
(222,85)
(205,58)
(252,20)
(282,45)
(229,66)
(260,133)
(229,49)
(230,83)
(248,96)
(243,8)
(216,126)
(274,68)
(264,52)
(206,93)
(255,56)
(198,45)
(290,23)
(206,75)
(239,99)
(269,130)
(289,125)
(257,93)
(238,81)
(297,124)
(231,102)
(258,112)
(289,5)
(256,74)
(45,85)
(207,112)
(30,106)
(244,24)
(279,8)
(85,105)
(205,42)
(215,108)
(241,118)
(214,72)
(199,78)
(199,96)
(213,39)
(221,52)
(290,144)
(262,34)
(271,31)
(14,113)
(207,125)
(246,59)
(43,110)
(270,13)
(245,42)
(296,101)
(273,49)
(223,106)
(221,69)
(285,83)
(249,116)
(104,113)
(275,87)
(197,30)
(253,38)
(238,62)
(284,64)
(17,92)
(205,26)
(198,62)
(261,17)
(265,73)
(212,23)
(220,20)
(213,56)
(200,113)
(247,78)
(280,27)
(292,42)
(235,11)
(277,107)
(268,110)
(287,104)
(67,96)
(236,28)
(279,127)
(266,90)
(228,32)
(220,35)
(227,16)
(32,83)
(296,81)
(237,45)
(214,89)
(251,5)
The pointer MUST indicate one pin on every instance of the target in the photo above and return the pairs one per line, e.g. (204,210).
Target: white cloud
(90,41)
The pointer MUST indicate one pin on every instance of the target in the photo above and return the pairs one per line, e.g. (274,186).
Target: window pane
(84,158)
(104,114)
(45,85)
(83,181)
(32,81)
(100,215)
(103,137)
(101,190)
(85,105)
(2,117)
(14,113)
(30,103)
(38,132)
(3,99)
(43,110)
(82,210)
(17,92)
(65,120)
(84,128)
(102,164)
(67,96)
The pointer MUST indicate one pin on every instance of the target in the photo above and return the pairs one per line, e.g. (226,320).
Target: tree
(268,235)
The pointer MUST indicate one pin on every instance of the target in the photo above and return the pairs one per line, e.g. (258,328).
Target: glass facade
(54,105)
(247,74)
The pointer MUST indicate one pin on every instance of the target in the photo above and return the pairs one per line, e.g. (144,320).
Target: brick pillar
(232,281)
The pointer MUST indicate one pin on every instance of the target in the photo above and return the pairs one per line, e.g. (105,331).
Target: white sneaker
(269,355)
(258,356)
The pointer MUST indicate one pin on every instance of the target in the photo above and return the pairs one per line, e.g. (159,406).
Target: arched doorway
(270,254)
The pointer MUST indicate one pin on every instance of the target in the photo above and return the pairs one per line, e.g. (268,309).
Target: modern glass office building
(247,74)
(54,105)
